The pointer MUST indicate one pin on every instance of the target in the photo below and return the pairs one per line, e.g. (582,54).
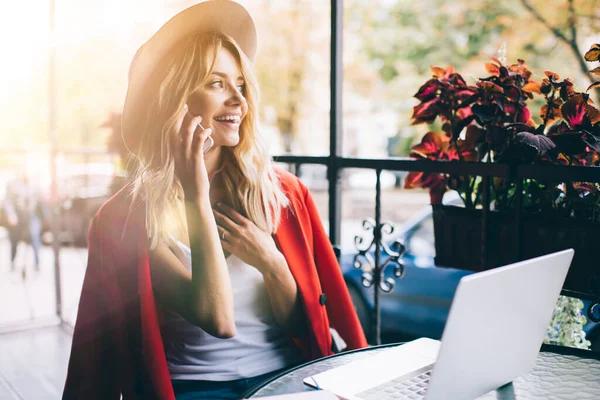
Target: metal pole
(55,220)
(485,221)
(518,256)
(335,121)
(377,272)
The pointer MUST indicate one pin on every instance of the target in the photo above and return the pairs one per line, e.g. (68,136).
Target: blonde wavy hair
(250,183)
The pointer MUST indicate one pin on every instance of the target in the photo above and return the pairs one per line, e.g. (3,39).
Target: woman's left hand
(248,242)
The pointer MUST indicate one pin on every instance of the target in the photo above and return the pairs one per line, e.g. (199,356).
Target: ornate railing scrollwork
(368,259)
(365,261)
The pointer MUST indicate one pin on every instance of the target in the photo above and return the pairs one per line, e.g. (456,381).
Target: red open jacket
(117,346)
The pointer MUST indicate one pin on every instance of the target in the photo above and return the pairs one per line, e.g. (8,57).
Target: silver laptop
(493,334)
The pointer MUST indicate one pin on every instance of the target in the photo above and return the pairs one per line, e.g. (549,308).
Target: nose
(236,97)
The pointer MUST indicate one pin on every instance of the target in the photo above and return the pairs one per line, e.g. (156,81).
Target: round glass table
(559,373)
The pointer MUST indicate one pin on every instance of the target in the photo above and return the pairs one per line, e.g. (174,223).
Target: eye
(241,88)
(216,84)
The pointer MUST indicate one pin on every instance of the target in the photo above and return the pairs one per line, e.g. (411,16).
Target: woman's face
(220,101)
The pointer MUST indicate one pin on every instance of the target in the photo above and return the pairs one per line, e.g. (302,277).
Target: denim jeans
(192,390)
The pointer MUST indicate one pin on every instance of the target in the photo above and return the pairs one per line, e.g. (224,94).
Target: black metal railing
(374,266)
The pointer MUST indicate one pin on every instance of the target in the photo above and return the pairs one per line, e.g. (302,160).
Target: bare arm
(212,293)
(283,295)
(204,297)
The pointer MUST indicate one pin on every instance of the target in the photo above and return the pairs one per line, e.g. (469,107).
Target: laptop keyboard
(412,386)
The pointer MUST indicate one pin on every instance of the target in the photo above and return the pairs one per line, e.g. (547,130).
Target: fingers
(184,132)
(232,214)
(225,238)
(187,139)
(225,223)
(201,138)
(224,234)
(188,131)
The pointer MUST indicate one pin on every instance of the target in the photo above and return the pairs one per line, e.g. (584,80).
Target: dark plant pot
(459,242)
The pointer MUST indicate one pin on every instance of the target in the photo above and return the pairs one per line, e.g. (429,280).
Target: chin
(231,140)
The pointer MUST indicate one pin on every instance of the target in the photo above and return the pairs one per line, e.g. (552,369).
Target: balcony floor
(33,363)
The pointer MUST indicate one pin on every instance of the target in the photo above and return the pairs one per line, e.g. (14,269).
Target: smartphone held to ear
(208,143)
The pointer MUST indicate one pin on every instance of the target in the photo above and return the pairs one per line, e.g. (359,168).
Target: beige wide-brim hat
(224,16)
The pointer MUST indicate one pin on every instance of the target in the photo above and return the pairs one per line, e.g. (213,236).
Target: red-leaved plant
(491,122)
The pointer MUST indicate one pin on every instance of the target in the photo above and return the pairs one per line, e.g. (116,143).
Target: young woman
(211,271)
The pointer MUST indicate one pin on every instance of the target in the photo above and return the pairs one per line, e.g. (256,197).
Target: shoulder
(291,185)
(119,212)
(301,203)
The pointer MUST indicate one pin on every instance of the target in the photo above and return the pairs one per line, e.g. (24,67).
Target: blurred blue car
(419,304)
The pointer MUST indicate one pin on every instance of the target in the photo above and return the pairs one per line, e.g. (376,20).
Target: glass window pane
(390,45)
(293,71)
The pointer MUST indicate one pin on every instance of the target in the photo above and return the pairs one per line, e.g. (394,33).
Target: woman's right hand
(188,142)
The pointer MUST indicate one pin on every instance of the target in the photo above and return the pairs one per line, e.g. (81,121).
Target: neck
(213,161)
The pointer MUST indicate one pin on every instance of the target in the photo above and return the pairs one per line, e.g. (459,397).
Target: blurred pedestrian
(25,212)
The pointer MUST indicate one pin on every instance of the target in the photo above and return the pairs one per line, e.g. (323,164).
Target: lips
(230,121)
(229,124)
(234,118)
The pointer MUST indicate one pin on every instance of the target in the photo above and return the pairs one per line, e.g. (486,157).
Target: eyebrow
(224,75)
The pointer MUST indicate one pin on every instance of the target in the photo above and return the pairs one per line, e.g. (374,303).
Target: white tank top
(258,347)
